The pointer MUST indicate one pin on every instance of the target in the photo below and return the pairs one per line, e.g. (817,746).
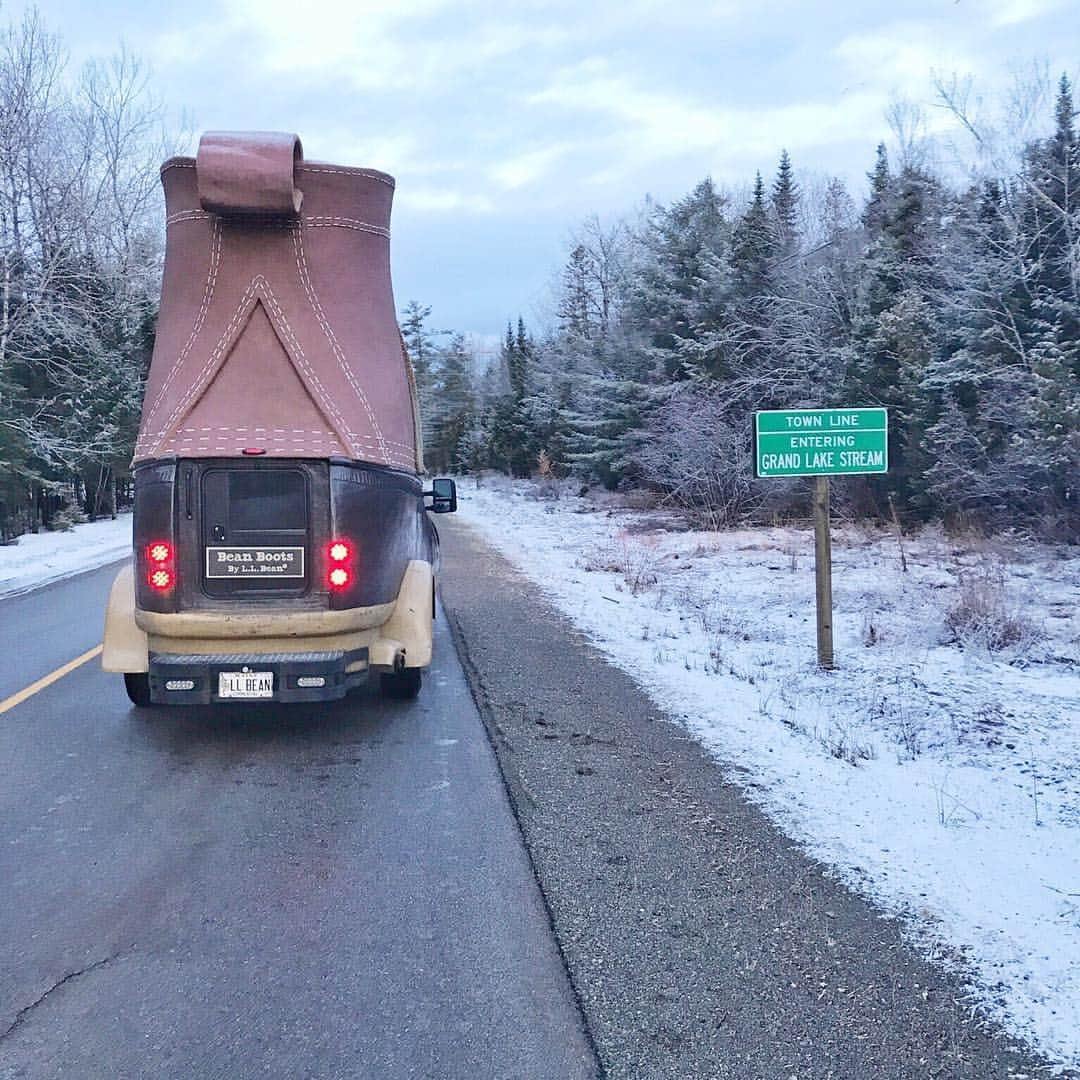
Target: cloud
(899,58)
(650,125)
(398,153)
(1013,12)
(530,166)
(444,200)
(374,45)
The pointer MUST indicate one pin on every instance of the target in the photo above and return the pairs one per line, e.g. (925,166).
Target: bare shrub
(711,611)
(700,459)
(637,562)
(547,483)
(983,615)
(843,743)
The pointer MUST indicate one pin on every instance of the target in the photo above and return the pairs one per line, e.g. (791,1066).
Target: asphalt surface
(332,891)
(700,941)
(352,890)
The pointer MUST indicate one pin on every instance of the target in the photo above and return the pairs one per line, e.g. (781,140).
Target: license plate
(246,684)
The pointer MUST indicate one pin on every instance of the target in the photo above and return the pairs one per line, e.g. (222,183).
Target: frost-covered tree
(785,208)
(953,305)
(452,413)
(80,249)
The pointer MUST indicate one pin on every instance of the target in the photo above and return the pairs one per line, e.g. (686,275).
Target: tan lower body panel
(395,634)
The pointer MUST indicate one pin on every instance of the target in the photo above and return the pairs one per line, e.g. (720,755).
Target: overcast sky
(505,124)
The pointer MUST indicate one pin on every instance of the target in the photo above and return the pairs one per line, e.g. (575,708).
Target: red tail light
(160,579)
(159,556)
(339,555)
(159,552)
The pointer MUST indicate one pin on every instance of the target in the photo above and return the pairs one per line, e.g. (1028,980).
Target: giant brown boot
(277,328)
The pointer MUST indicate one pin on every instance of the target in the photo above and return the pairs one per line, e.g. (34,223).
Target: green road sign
(821,442)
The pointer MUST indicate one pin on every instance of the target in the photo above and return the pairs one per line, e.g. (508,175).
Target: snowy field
(35,560)
(936,770)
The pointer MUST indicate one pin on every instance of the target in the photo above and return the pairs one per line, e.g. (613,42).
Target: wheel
(138,688)
(403,685)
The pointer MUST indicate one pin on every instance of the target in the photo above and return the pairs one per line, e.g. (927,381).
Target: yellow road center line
(48,680)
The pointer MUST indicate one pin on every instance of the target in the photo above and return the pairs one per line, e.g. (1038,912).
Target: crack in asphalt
(25,1011)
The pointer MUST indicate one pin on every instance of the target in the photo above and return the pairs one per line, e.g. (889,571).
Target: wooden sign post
(823,572)
(821,443)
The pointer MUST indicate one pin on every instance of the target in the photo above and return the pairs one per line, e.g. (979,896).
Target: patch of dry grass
(983,614)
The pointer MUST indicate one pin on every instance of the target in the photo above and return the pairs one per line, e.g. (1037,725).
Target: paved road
(344,891)
(287,892)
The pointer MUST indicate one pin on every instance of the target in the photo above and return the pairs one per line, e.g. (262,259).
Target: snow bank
(938,777)
(36,560)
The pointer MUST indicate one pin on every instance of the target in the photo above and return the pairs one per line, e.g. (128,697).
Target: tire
(402,685)
(138,689)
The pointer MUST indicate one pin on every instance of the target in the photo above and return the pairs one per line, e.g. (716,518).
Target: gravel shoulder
(701,942)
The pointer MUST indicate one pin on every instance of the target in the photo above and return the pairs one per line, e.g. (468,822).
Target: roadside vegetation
(936,769)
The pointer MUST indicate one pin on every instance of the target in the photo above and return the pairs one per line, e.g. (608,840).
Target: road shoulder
(700,940)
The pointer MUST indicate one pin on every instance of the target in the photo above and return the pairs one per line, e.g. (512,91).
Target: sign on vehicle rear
(254,562)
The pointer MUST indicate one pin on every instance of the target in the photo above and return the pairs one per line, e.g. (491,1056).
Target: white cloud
(530,166)
(899,58)
(656,125)
(398,153)
(371,44)
(1013,12)
(444,200)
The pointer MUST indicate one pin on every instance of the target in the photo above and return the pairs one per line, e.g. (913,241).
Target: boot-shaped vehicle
(281,546)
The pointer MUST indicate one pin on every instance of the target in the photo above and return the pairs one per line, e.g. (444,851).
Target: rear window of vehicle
(267,499)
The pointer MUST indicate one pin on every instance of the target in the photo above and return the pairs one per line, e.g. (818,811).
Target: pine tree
(509,418)
(785,208)
(519,369)
(753,248)
(418,339)
(453,406)
(880,187)
(576,308)
(422,348)
(679,294)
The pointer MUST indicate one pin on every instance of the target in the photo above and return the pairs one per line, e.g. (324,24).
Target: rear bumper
(293,675)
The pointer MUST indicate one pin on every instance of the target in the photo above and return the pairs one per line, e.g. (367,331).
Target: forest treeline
(954,304)
(80,260)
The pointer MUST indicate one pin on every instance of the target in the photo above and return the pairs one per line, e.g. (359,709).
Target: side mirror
(443,496)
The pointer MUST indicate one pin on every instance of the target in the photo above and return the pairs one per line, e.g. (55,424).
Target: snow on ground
(939,775)
(39,559)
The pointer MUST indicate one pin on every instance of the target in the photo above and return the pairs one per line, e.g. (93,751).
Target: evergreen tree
(422,348)
(753,248)
(785,208)
(680,291)
(519,361)
(576,308)
(453,407)
(880,187)
(958,309)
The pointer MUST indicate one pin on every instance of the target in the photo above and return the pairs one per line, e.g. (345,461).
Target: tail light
(161,579)
(158,552)
(339,564)
(159,558)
